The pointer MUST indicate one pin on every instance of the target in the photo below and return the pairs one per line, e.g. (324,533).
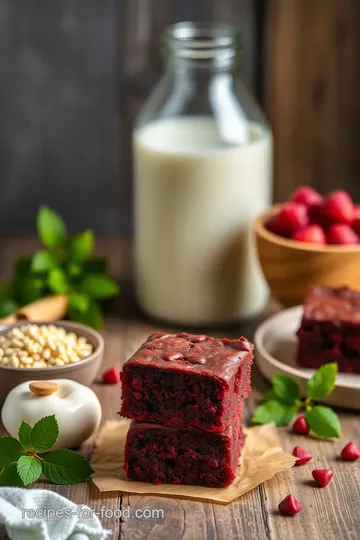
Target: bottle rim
(202,41)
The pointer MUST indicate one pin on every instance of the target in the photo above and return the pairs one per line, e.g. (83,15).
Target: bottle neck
(201,49)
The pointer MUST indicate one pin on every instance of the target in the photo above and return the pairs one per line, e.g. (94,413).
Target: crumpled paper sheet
(262,458)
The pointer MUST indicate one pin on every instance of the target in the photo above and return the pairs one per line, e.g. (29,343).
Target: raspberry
(350,452)
(339,207)
(356,222)
(289,506)
(303,455)
(341,234)
(313,234)
(322,476)
(301,426)
(291,216)
(306,195)
(111,376)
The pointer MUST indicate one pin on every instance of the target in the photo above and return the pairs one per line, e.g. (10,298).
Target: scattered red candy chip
(322,476)
(313,234)
(111,376)
(289,506)
(303,455)
(350,452)
(306,195)
(340,233)
(301,426)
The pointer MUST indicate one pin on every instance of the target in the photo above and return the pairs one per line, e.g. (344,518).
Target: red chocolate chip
(350,452)
(322,476)
(289,506)
(342,234)
(111,376)
(313,234)
(301,426)
(306,195)
(303,455)
(339,207)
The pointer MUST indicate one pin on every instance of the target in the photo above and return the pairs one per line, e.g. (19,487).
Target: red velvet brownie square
(330,329)
(188,381)
(163,455)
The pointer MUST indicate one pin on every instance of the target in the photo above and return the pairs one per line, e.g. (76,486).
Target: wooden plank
(312,76)
(327,514)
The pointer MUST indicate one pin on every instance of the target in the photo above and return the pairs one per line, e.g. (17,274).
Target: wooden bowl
(290,267)
(83,371)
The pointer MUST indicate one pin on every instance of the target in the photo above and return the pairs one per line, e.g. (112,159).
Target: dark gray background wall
(73,74)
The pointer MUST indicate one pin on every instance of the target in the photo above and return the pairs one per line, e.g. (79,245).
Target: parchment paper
(262,458)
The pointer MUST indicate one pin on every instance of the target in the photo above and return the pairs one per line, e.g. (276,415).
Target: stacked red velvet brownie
(330,329)
(185,395)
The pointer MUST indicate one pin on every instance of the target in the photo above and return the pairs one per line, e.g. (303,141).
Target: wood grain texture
(327,514)
(312,76)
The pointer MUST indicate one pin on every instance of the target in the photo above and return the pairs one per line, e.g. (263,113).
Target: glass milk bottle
(203,172)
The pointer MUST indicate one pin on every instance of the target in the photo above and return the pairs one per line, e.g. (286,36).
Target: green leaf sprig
(64,266)
(23,461)
(283,402)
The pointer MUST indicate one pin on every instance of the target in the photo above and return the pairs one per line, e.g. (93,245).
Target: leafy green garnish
(322,382)
(283,402)
(66,467)
(51,228)
(274,411)
(323,421)
(64,266)
(22,464)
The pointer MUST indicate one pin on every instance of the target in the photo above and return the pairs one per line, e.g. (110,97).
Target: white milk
(195,197)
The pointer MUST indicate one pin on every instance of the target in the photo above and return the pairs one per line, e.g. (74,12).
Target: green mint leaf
(9,476)
(44,434)
(323,421)
(81,246)
(10,450)
(79,301)
(74,270)
(50,227)
(43,261)
(24,436)
(58,281)
(92,316)
(7,307)
(274,411)
(96,265)
(29,289)
(98,286)
(4,291)
(22,267)
(270,395)
(322,382)
(66,467)
(29,469)
(285,388)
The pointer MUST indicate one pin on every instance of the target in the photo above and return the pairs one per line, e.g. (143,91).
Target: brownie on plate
(330,329)
(185,380)
(164,455)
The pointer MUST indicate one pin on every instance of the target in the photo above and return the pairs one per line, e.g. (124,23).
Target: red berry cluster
(309,217)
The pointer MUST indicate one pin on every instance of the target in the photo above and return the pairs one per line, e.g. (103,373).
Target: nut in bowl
(291,266)
(61,350)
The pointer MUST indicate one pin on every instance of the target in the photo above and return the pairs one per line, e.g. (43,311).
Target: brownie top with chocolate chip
(202,354)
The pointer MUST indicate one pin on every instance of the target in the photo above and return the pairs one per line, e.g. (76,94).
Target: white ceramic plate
(275,346)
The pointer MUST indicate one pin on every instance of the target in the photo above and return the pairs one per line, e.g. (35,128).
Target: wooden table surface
(327,513)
